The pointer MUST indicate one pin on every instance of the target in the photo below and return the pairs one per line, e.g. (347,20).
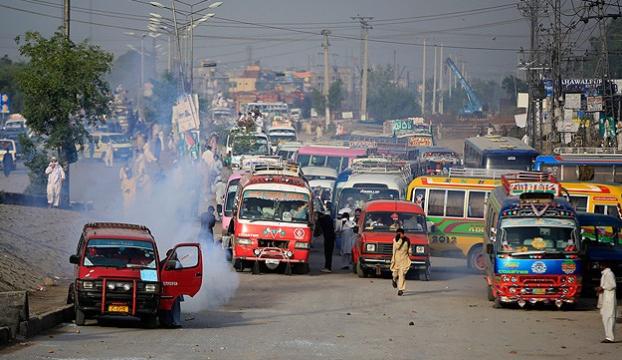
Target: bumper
(143,304)
(384,263)
(527,295)
(271,255)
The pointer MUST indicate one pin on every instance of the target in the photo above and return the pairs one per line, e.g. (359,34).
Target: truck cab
(377,225)
(272,221)
(532,243)
(118,272)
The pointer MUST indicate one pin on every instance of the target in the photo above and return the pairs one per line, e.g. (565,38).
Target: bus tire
(302,269)
(359,271)
(491,296)
(288,269)
(238,265)
(475,259)
(497,303)
(255,268)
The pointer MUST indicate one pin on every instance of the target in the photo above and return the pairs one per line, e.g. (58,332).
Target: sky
(485,34)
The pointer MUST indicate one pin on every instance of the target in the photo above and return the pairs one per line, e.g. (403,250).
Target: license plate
(539,291)
(118,308)
(272,262)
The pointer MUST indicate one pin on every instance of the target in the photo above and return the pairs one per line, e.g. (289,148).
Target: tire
(359,271)
(288,269)
(424,275)
(150,321)
(476,259)
(491,296)
(80,316)
(497,303)
(302,269)
(70,295)
(255,268)
(238,265)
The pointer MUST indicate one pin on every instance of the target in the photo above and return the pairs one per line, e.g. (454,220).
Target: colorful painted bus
(498,152)
(455,205)
(582,164)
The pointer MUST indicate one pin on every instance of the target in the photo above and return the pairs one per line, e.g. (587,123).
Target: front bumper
(535,295)
(272,254)
(384,263)
(99,300)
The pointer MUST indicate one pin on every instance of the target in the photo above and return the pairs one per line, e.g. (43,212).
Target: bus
(433,160)
(267,109)
(455,205)
(245,143)
(582,164)
(336,157)
(498,152)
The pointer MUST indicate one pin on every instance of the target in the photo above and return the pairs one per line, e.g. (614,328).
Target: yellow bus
(455,206)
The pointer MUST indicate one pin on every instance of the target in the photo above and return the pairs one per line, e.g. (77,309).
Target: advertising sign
(594,103)
(520,188)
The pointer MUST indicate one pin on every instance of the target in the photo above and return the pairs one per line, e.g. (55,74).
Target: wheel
(359,271)
(150,321)
(288,269)
(238,265)
(80,317)
(498,304)
(476,259)
(491,296)
(353,265)
(425,275)
(70,295)
(302,269)
(255,269)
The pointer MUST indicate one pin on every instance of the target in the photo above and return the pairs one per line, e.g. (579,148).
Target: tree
(8,82)
(335,95)
(63,88)
(387,100)
(513,86)
(159,106)
(317,101)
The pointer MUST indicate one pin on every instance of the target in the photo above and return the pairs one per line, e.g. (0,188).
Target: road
(340,316)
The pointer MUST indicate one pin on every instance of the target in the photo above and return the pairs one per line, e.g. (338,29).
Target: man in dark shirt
(324,225)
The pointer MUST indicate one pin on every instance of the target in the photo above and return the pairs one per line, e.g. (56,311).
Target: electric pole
(440,82)
(325,45)
(434,80)
(365,27)
(553,138)
(423,81)
(531,9)
(67,18)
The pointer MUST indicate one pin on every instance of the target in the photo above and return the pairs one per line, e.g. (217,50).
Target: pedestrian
(345,229)
(400,261)
(220,190)
(208,221)
(324,225)
(109,154)
(128,188)
(607,301)
(7,161)
(56,176)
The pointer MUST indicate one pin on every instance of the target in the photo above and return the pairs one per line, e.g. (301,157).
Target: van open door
(181,273)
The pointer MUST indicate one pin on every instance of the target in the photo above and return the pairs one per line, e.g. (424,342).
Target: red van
(118,272)
(377,224)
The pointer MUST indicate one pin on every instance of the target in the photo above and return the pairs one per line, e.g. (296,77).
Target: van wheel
(498,304)
(288,269)
(80,317)
(491,296)
(255,269)
(302,269)
(238,265)
(150,321)
(476,260)
(425,275)
(359,271)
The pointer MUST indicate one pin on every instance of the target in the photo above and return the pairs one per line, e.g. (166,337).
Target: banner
(186,114)
(572,101)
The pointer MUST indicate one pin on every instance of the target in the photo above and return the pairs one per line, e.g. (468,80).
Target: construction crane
(474,106)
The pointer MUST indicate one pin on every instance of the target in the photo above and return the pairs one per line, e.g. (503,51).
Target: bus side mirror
(74,259)
(489,249)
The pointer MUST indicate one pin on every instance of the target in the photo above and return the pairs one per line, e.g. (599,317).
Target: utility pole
(553,138)
(440,82)
(325,46)
(434,80)
(450,82)
(170,54)
(67,18)
(531,9)
(395,66)
(365,27)
(423,81)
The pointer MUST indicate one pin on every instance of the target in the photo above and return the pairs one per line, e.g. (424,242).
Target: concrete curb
(39,323)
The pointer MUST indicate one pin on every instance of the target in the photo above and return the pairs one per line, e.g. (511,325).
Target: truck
(272,224)
(118,272)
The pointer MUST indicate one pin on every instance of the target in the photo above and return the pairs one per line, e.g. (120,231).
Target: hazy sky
(287,36)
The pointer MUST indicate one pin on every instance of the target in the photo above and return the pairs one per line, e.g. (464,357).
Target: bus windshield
(356,198)
(508,161)
(270,205)
(388,221)
(120,253)
(233,188)
(547,235)
(250,145)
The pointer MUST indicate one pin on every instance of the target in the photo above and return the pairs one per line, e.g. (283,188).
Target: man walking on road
(400,261)
(56,176)
(607,301)
(109,155)
(324,225)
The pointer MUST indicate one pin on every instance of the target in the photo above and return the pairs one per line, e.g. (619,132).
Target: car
(118,272)
(121,144)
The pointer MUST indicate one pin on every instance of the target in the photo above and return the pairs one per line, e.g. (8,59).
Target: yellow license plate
(539,291)
(118,308)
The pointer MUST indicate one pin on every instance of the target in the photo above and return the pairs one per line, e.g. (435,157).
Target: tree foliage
(62,84)
(8,82)
(335,95)
(159,106)
(317,101)
(512,86)
(387,100)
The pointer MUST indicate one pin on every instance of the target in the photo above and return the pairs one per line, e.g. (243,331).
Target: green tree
(159,106)
(335,95)
(317,101)
(8,82)
(512,86)
(387,100)
(63,88)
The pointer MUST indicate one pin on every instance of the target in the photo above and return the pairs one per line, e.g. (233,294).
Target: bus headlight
(420,249)
(243,241)
(301,245)
(370,248)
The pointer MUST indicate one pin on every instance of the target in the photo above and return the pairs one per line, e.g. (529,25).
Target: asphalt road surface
(340,316)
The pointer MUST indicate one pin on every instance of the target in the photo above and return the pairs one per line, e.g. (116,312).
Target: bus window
(617,177)
(303,160)
(579,202)
(569,173)
(455,203)
(334,162)
(610,210)
(419,197)
(318,160)
(475,206)
(603,173)
(436,203)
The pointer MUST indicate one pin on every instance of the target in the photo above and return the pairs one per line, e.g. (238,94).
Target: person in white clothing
(109,155)
(56,176)
(345,229)
(607,301)
(220,188)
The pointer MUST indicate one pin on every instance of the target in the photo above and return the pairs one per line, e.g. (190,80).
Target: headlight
(151,288)
(505,278)
(87,285)
(595,265)
(289,253)
(514,279)
(420,249)
(110,286)
(243,241)
(301,245)
(256,252)
(370,247)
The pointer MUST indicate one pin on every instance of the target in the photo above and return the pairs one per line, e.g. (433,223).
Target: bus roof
(499,143)
(331,151)
(393,205)
(392,181)
(579,159)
